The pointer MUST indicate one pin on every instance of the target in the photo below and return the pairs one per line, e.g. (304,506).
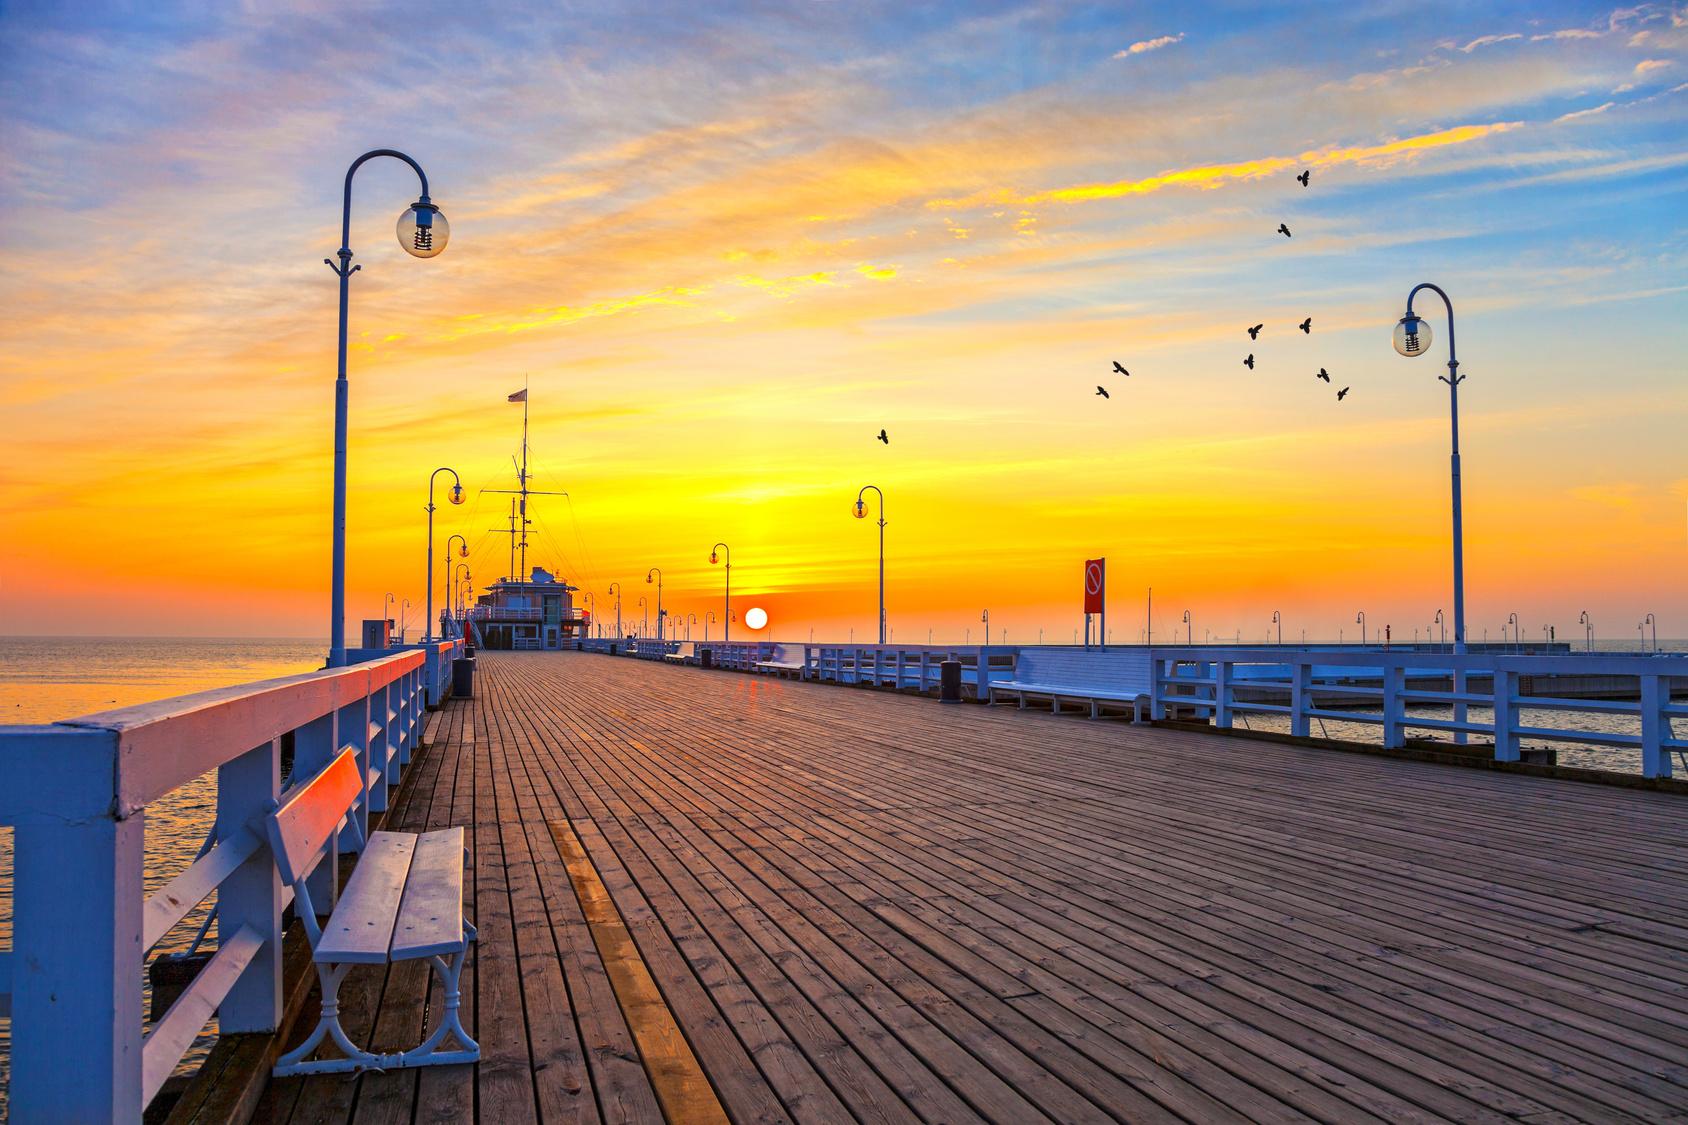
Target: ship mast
(519,520)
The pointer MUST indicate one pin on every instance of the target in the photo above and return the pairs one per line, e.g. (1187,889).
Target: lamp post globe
(456,494)
(1413,336)
(422,229)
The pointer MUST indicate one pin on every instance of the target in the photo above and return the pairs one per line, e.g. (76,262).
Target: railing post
(76,937)
(1157,690)
(352,729)
(1300,697)
(247,788)
(1461,737)
(1394,708)
(313,748)
(1222,694)
(983,672)
(1506,716)
(1655,762)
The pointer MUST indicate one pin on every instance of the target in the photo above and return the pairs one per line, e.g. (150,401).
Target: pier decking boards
(862,906)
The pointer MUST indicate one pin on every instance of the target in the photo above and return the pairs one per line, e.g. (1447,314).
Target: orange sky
(718,300)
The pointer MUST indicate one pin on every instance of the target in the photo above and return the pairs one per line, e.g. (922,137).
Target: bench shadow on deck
(856,905)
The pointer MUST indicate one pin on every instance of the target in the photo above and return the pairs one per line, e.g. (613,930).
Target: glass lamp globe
(1412,335)
(861,509)
(422,230)
(457,494)
(463,549)
(712,557)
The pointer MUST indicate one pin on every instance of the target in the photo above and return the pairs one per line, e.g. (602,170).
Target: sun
(756,617)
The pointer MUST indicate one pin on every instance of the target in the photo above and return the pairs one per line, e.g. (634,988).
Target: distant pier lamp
(1188,628)
(707,618)
(986,618)
(387,609)
(714,558)
(1278,620)
(404,616)
(1442,626)
(456,497)
(1512,622)
(461,579)
(423,232)
(615,588)
(691,619)
(861,514)
(646,627)
(445,584)
(1412,339)
(1588,630)
(1653,623)
(655,575)
(1360,620)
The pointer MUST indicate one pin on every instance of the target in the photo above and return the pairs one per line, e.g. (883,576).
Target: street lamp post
(1512,620)
(1588,630)
(646,627)
(615,588)
(656,571)
(445,585)
(986,618)
(691,619)
(707,618)
(387,608)
(1412,339)
(1442,625)
(1188,628)
(422,231)
(1278,620)
(460,578)
(404,616)
(729,604)
(1360,620)
(1653,623)
(861,513)
(456,497)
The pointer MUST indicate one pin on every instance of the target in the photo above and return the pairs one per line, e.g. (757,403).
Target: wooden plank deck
(863,906)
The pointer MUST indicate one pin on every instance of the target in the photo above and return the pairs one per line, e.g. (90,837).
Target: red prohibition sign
(1093,578)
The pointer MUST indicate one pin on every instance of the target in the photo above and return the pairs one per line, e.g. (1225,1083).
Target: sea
(45,679)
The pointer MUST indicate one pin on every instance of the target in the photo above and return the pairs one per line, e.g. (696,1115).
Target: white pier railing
(76,795)
(1481,694)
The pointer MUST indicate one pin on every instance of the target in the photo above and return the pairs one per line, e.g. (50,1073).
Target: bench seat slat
(430,918)
(361,928)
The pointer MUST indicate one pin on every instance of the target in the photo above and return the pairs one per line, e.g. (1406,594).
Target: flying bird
(1323,374)
(1283,230)
(883,438)
(1103,391)
(1120,369)
(1254,333)
(1341,394)
(1307,326)
(1249,362)
(1306,174)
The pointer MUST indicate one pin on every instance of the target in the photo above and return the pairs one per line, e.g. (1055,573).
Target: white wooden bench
(784,660)
(1094,678)
(403,902)
(685,654)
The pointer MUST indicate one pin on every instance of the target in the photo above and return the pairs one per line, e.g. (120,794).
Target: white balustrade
(76,795)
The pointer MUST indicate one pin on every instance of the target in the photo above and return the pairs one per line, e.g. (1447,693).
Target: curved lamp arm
(346,219)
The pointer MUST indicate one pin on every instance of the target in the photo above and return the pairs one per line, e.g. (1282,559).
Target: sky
(726,244)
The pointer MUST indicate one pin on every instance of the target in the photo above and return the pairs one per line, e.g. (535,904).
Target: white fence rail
(1382,688)
(76,795)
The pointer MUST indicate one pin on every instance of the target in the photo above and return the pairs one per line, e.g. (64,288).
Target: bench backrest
(302,826)
(1121,670)
(782,654)
(684,650)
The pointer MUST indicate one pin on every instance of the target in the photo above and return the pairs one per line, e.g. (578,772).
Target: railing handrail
(1565,664)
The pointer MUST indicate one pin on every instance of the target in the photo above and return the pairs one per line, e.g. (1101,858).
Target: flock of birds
(1306,325)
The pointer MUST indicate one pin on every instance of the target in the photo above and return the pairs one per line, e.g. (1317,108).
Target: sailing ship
(526,609)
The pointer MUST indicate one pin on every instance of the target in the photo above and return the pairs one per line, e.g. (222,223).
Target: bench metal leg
(356,1058)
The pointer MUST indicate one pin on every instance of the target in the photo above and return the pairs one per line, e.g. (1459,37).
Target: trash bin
(613,647)
(463,677)
(949,681)
(706,657)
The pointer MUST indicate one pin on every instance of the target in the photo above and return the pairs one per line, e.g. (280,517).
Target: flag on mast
(519,396)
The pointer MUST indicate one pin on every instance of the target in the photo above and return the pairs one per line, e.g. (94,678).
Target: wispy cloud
(1209,176)
(1575,115)
(1145,45)
(1488,41)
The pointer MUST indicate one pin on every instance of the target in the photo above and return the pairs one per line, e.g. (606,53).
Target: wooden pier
(707,895)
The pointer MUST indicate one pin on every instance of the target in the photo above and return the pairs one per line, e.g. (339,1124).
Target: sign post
(1096,599)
